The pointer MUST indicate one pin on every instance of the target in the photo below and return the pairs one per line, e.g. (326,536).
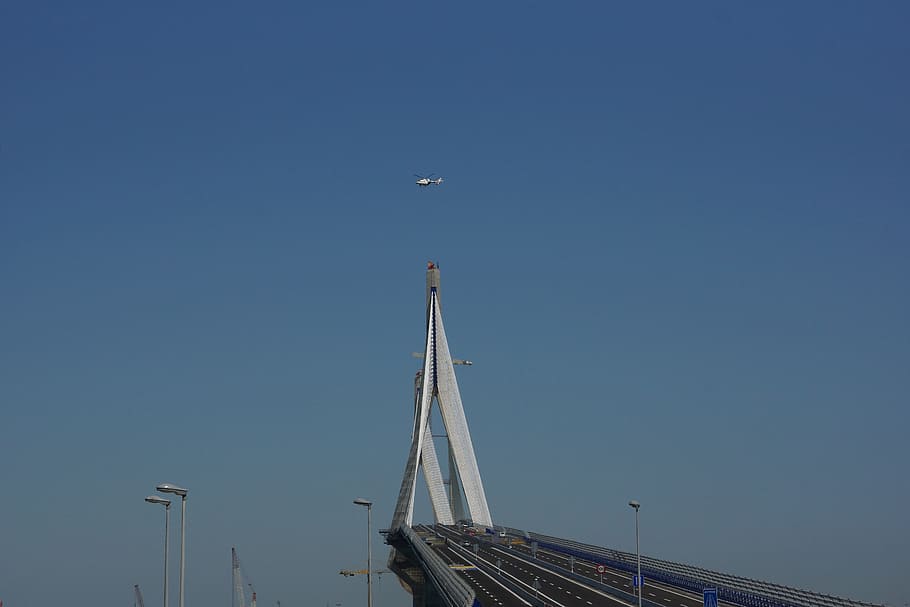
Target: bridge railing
(730,588)
(622,595)
(455,592)
(746,599)
(522,590)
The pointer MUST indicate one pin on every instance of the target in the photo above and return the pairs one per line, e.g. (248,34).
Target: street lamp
(636,505)
(154,499)
(169,488)
(362,502)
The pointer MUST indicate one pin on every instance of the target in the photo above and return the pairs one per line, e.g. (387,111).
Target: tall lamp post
(362,502)
(169,488)
(636,505)
(154,499)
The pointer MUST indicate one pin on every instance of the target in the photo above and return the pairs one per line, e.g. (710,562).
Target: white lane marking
(664,587)
(611,599)
(495,581)
(479,558)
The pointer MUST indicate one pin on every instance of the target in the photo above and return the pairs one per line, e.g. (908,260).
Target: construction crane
(455,361)
(350,573)
(139,601)
(238,598)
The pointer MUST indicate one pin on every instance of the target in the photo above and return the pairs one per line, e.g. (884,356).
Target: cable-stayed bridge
(463,559)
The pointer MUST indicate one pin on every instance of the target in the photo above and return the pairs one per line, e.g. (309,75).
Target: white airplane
(428,180)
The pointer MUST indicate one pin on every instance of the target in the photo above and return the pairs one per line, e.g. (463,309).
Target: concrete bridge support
(412,578)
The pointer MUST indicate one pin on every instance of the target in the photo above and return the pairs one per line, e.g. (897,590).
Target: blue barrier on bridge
(730,595)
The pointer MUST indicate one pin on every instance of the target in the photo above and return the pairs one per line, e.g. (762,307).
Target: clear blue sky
(673,237)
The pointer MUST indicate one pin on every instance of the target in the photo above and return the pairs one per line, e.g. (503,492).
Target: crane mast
(239,598)
(241,579)
(139,601)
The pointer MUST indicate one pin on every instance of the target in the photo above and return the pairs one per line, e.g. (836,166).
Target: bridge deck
(494,570)
(504,572)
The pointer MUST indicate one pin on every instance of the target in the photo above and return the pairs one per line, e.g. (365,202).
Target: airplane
(428,180)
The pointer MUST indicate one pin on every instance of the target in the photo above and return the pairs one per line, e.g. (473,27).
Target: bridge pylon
(436,383)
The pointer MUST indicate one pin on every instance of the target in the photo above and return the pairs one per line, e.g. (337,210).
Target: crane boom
(455,361)
(352,573)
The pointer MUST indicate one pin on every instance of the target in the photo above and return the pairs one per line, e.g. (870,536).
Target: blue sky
(673,238)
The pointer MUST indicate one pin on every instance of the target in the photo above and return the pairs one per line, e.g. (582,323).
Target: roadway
(554,588)
(487,589)
(653,591)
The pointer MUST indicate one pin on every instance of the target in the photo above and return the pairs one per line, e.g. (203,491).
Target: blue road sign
(710,595)
(640,581)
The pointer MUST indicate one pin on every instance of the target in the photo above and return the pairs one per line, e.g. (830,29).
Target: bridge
(463,559)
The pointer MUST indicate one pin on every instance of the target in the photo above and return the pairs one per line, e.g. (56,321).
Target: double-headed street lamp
(169,488)
(154,499)
(363,502)
(636,505)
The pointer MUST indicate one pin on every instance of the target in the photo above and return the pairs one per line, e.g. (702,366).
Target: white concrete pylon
(429,463)
(438,384)
(449,401)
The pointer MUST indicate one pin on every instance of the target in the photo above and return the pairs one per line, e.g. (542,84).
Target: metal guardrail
(455,592)
(622,595)
(523,590)
(696,586)
(502,578)
(730,588)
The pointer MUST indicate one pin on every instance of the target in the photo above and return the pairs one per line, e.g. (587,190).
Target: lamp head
(169,488)
(635,504)
(154,499)
(363,502)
